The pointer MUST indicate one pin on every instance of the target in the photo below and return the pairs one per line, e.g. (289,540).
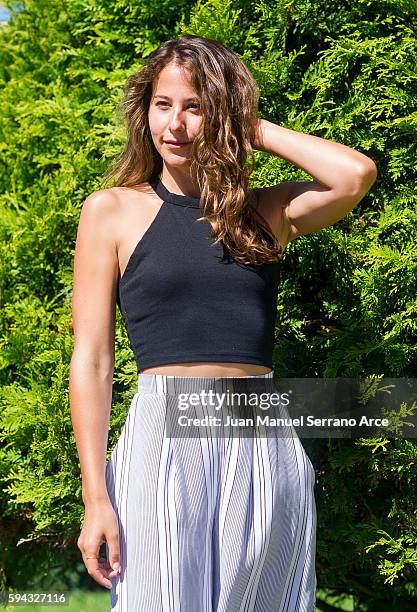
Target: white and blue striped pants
(209,524)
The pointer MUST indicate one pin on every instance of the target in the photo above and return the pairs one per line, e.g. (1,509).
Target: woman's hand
(100,526)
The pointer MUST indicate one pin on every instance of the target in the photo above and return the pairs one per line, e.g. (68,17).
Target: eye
(192,104)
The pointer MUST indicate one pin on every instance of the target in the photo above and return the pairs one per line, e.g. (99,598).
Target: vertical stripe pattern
(212,523)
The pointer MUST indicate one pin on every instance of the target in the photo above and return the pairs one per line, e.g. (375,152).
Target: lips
(175,142)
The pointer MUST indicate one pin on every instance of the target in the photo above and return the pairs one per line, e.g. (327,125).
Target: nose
(177,120)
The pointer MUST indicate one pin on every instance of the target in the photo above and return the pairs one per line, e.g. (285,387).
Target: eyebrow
(168,98)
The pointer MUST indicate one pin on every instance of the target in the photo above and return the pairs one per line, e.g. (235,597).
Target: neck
(179,183)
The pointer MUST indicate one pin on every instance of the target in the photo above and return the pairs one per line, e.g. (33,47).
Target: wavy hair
(229,98)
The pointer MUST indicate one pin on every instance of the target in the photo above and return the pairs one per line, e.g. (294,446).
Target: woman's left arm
(342,176)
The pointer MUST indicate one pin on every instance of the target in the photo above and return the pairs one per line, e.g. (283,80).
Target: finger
(114,551)
(107,570)
(96,572)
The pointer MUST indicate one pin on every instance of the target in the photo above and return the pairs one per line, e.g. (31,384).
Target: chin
(180,159)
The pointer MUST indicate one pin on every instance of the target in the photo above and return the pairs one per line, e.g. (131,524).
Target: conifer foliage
(347,297)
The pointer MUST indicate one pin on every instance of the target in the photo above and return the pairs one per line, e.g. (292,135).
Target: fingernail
(116,566)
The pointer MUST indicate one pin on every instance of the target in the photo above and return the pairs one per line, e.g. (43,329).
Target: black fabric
(184,299)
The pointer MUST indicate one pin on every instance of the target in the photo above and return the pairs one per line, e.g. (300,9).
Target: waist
(208,369)
(165,384)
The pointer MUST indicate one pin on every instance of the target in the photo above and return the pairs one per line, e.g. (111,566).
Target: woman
(191,256)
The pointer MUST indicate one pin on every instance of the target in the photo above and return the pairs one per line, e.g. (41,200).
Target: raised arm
(91,371)
(342,176)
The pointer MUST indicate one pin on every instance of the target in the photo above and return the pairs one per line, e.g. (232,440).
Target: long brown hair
(229,98)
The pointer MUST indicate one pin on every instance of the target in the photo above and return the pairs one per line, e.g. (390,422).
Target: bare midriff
(208,369)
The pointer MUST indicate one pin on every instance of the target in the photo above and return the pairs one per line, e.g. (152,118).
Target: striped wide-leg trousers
(209,523)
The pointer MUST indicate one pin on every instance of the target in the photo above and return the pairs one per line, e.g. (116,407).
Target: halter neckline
(172,198)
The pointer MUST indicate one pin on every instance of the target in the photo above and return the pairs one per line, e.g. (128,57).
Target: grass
(343,603)
(87,601)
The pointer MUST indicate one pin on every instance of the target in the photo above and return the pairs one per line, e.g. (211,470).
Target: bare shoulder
(110,208)
(102,201)
(272,202)
(114,197)
(100,204)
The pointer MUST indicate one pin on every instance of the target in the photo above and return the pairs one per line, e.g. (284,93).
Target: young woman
(191,255)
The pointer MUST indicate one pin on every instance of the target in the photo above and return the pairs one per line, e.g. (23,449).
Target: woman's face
(174,115)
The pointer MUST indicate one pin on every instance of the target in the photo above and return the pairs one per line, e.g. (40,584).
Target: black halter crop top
(184,300)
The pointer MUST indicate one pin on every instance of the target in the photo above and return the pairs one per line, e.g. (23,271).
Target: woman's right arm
(91,372)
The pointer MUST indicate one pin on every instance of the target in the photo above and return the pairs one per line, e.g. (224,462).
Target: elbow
(364,178)
(368,172)
(371,169)
(90,364)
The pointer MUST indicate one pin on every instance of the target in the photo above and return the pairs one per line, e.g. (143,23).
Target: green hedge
(347,300)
